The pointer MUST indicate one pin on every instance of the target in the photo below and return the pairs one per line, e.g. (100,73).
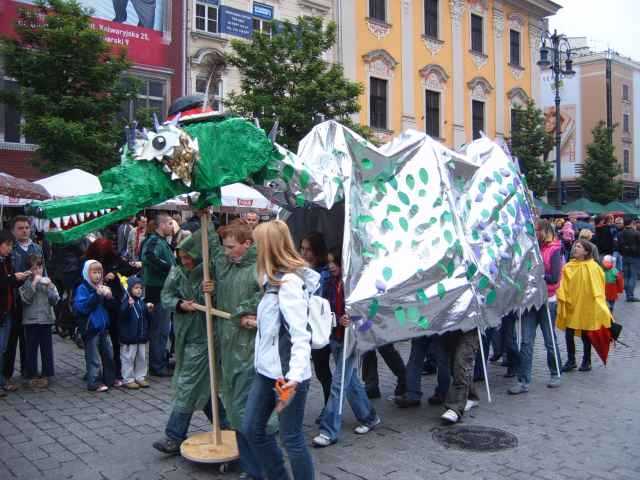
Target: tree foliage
(286,77)
(600,179)
(69,86)
(530,144)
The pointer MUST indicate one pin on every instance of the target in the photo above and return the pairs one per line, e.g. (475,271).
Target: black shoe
(509,374)
(374,393)
(570,365)
(505,363)
(404,402)
(495,358)
(162,373)
(400,390)
(633,299)
(435,400)
(585,367)
(167,445)
(479,378)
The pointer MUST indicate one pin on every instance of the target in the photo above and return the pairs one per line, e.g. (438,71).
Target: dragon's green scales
(198,157)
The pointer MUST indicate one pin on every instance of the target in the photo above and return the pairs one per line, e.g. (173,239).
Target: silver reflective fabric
(434,240)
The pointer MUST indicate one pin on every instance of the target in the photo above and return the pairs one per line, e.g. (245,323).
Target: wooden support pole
(204,228)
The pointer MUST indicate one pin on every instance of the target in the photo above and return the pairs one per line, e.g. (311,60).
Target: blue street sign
(236,22)
(263,11)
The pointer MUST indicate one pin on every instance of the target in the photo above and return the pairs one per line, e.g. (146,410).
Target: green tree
(529,143)
(69,86)
(600,178)
(285,77)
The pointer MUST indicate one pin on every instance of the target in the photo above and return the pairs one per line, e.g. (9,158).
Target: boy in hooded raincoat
(191,387)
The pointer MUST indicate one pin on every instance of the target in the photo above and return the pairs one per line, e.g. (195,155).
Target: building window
(378,102)
(262,26)
(215,93)
(626,162)
(151,98)
(10,117)
(625,92)
(516,114)
(514,42)
(377,10)
(477,108)
(476,33)
(625,123)
(207,16)
(431,18)
(432,113)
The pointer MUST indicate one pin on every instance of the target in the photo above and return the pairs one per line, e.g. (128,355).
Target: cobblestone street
(586,430)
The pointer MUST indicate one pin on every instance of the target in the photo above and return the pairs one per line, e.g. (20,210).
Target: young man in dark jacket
(8,283)
(24,247)
(134,335)
(157,260)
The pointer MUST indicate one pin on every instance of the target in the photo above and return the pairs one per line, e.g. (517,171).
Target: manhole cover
(480,439)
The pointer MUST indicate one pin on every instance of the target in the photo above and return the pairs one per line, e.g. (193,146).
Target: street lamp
(559,47)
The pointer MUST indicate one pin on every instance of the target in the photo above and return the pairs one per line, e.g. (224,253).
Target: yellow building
(451,68)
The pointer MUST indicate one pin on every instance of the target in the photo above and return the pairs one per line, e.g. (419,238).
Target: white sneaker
(322,441)
(450,416)
(366,428)
(471,404)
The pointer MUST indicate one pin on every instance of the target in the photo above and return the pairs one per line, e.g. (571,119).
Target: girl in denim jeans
(282,352)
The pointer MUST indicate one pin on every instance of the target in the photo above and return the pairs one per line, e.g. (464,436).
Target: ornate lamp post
(559,47)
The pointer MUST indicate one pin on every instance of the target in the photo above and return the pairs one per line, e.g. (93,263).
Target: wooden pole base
(201,448)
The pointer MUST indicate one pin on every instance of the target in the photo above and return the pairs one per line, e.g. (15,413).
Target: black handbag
(616,330)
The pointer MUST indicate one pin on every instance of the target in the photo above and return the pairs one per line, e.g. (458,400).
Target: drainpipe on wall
(609,99)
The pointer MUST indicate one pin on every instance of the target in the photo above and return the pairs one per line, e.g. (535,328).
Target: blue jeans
(530,322)
(260,405)
(419,348)
(354,392)
(97,349)
(6,320)
(159,328)
(631,268)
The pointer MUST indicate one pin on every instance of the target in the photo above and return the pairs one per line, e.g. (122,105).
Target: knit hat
(132,281)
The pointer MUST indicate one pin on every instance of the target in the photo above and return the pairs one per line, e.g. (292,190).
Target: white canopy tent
(71,183)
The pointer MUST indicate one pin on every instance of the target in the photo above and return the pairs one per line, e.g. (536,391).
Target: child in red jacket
(614,282)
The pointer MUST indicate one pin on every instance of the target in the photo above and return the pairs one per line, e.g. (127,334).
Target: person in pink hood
(551,250)
(567,236)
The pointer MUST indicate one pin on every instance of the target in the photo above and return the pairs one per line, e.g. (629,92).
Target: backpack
(320,318)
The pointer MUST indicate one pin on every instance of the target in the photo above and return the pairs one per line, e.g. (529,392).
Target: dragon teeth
(74,218)
(81,217)
(57,222)
(65,220)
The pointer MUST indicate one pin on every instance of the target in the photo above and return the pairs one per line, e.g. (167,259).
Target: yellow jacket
(581,299)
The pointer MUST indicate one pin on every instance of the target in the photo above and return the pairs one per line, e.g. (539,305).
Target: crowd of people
(133,300)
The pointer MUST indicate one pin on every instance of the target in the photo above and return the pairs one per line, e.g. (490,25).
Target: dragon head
(198,156)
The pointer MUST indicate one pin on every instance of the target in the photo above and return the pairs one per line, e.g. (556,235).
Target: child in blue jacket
(134,335)
(93,321)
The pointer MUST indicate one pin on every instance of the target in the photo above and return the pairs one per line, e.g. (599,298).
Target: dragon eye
(159,142)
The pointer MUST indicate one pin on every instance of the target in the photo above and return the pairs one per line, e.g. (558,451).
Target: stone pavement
(589,429)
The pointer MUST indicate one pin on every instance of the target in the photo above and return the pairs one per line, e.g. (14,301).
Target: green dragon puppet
(198,156)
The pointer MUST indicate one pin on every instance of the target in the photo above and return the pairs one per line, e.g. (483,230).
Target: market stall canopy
(586,205)
(546,210)
(20,189)
(621,207)
(71,183)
